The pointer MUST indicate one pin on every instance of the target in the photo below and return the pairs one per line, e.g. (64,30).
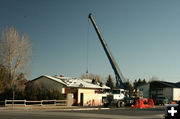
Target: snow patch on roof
(55,79)
(75,82)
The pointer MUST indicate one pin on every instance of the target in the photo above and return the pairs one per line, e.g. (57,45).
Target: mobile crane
(118,96)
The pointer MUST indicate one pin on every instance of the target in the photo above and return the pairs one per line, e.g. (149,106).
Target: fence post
(5,103)
(25,103)
(41,102)
(55,102)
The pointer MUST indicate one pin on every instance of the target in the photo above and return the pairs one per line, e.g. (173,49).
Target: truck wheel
(106,104)
(118,105)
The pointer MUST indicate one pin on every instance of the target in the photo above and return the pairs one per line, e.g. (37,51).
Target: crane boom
(119,77)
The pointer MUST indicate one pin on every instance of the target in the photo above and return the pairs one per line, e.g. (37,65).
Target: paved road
(126,111)
(95,114)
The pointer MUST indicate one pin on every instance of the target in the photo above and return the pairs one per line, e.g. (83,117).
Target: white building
(84,91)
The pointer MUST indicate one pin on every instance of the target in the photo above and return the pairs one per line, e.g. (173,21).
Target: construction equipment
(117,96)
(119,77)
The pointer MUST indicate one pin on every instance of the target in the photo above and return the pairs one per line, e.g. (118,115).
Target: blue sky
(143,35)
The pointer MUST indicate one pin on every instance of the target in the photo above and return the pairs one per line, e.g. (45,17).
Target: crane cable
(87,50)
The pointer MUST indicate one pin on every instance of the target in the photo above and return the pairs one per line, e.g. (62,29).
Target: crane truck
(118,97)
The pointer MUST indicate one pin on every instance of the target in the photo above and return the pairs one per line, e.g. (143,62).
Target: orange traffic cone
(151,103)
(136,104)
(142,105)
(139,104)
(173,102)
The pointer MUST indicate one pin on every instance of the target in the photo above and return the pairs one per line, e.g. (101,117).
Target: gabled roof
(55,79)
(170,84)
(178,84)
(74,82)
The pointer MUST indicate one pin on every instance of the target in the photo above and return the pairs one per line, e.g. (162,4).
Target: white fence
(35,103)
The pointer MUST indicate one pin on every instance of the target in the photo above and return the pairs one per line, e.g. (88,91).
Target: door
(81,99)
(75,99)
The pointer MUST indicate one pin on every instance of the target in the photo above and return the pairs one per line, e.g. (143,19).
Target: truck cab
(116,97)
(118,94)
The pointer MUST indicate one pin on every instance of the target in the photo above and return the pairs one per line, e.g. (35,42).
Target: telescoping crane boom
(120,80)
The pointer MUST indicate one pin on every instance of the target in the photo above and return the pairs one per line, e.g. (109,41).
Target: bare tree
(20,82)
(3,77)
(15,53)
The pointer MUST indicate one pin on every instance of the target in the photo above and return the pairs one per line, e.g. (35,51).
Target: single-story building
(165,89)
(85,91)
(156,89)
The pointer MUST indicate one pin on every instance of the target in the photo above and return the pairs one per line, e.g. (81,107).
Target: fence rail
(38,103)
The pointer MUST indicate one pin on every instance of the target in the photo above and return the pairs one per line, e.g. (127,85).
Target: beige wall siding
(85,91)
(176,94)
(93,99)
(90,97)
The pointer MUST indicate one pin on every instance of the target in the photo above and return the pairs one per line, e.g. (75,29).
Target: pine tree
(109,82)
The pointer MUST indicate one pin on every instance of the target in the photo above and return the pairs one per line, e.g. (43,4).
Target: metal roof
(170,84)
(76,82)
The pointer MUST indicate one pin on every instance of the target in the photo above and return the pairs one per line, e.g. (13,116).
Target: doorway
(81,99)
